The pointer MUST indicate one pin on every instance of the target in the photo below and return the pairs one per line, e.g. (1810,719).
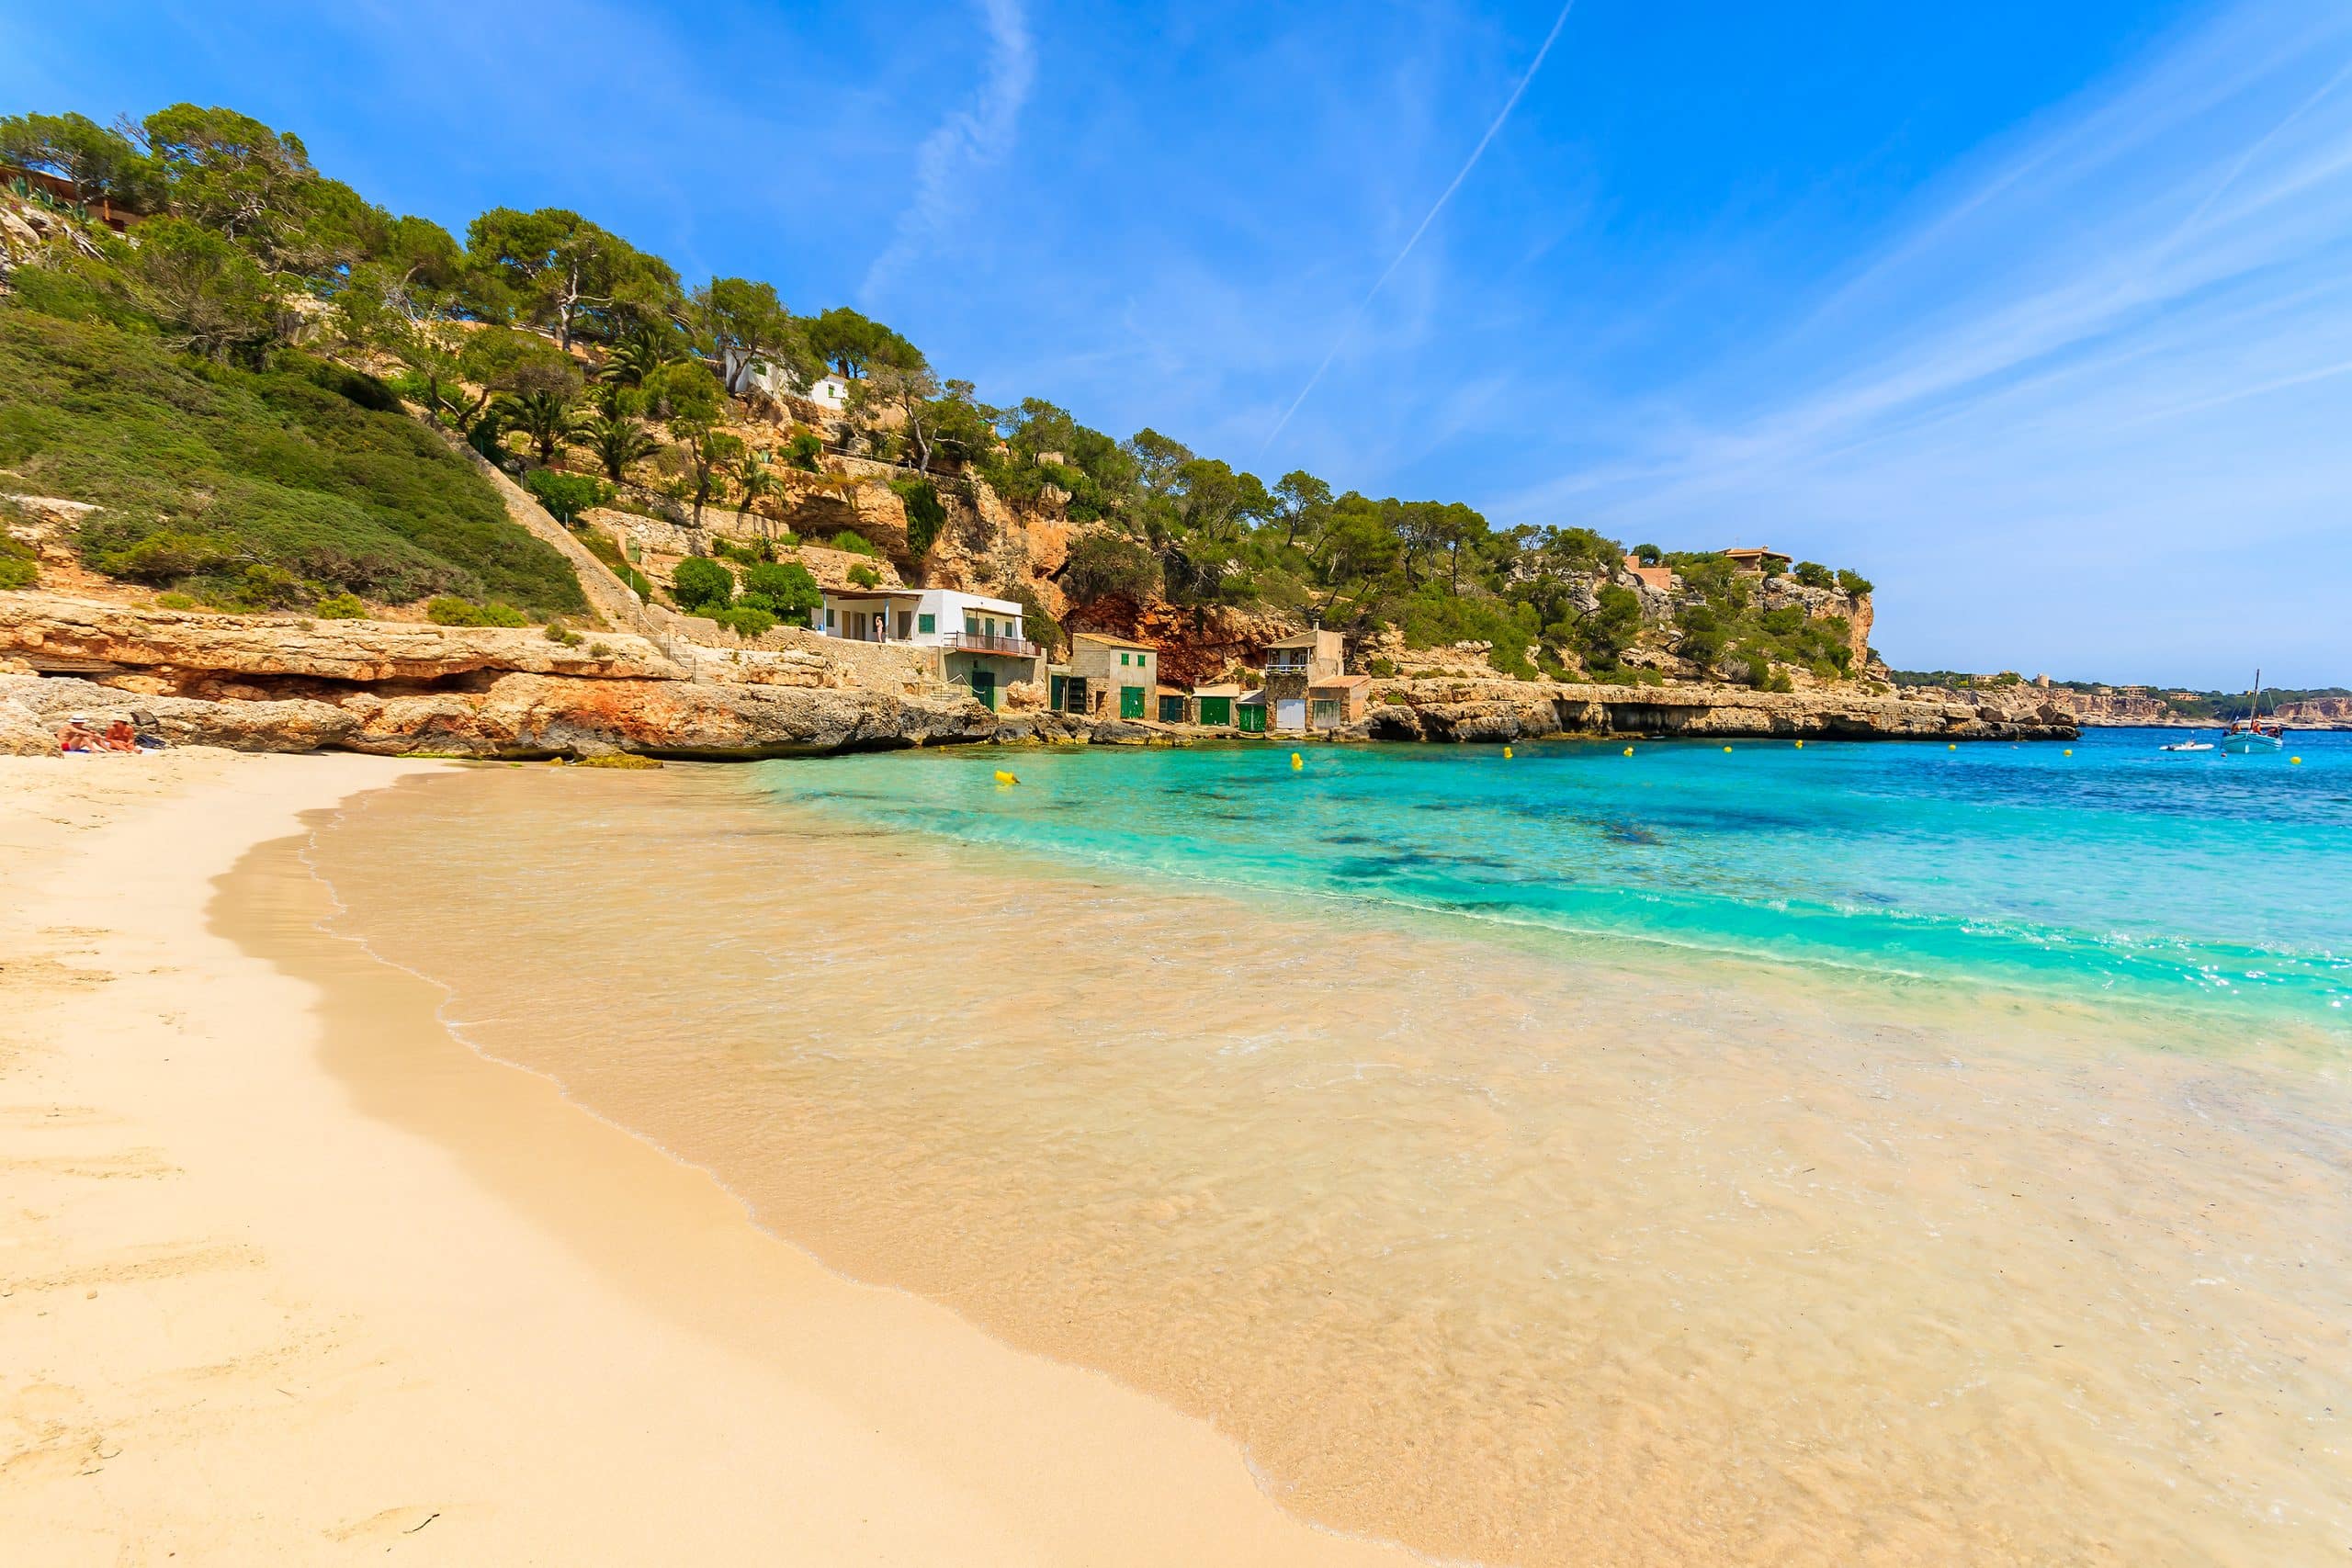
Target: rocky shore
(1504,710)
(283,684)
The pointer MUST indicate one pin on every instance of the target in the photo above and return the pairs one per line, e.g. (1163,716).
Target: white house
(979,639)
(828,391)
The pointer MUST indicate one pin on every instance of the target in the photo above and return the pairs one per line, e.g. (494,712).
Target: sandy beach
(292,1276)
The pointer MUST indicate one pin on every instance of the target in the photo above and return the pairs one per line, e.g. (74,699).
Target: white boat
(2188,746)
(2253,734)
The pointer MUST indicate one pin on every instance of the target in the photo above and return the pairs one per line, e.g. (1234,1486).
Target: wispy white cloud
(2121,346)
(1355,318)
(969,140)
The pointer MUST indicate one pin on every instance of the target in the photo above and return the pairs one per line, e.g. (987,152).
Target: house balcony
(985,642)
(1278,665)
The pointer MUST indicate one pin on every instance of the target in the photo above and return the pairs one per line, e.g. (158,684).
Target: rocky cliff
(2317,712)
(285,683)
(1502,710)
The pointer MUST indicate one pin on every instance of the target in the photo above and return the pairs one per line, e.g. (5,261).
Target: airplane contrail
(1430,216)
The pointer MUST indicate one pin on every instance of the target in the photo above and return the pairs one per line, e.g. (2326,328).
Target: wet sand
(293,1275)
(1480,1244)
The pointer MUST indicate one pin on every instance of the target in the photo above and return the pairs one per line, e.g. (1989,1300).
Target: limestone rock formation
(72,635)
(1502,710)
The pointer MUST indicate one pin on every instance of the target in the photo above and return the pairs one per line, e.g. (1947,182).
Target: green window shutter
(927,622)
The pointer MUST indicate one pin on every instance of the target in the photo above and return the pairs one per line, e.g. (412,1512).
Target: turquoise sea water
(2221,885)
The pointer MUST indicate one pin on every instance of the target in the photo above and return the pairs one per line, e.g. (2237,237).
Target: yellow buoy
(2070,751)
(2296,760)
(1296,761)
(1629,750)
(1506,751)
(1799,745)
(1954,746)
(1004,778)
(1726,747)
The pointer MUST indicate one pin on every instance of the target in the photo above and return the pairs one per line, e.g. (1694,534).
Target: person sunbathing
(120,737)
(77,735)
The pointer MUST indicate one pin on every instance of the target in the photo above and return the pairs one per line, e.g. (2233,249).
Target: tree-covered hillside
(549,341)
(154,377)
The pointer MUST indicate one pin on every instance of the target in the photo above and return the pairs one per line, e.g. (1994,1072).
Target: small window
(829,617)
(927,622)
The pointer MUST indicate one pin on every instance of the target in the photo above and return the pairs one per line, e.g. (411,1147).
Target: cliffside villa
(1758,561)
(1660,577)
(978,641)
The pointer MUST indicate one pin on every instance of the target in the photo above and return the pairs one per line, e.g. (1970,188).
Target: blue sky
(2039,315)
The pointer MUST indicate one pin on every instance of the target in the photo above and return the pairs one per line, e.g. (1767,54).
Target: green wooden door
(1171,710)
(1131,702)
(984,687)
(1216,710)
(1060,699)
(1253,719)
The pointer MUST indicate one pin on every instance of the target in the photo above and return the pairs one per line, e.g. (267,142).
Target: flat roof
(871,592)
(1228,690)
(1338,682)
(1304,640)
(1107,640)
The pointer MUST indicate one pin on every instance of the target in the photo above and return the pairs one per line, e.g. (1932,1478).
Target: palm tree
(754,478)
(638,356)
(544,416)
(616,438)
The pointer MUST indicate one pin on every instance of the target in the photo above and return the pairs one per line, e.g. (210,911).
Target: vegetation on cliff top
(265,487)
(546,330)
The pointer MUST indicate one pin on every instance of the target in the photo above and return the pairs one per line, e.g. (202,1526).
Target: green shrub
(925,515)
(1601,638)
(228,467)
(258,588)
(19,568)
(745,621)
(864,576)
(1109,566)
(806,452)
(1036,624)
(1379,667)
(558,632)
(450,611)
(565,496)
(358,386)
(855,543)
(702,584)
(1853,582)
(339,607)
(1813,574)
(742,554)
(782,589)
(173,601)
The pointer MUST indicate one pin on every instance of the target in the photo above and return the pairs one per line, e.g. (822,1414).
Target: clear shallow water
(1515,1248)
(2225,884)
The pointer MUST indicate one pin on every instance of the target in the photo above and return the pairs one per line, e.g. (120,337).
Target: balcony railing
(1278,665)
(988,642)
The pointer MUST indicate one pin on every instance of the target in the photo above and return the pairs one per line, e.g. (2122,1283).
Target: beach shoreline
(300,1276)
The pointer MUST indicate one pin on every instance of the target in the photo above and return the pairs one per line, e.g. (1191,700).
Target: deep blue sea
(2218,884)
